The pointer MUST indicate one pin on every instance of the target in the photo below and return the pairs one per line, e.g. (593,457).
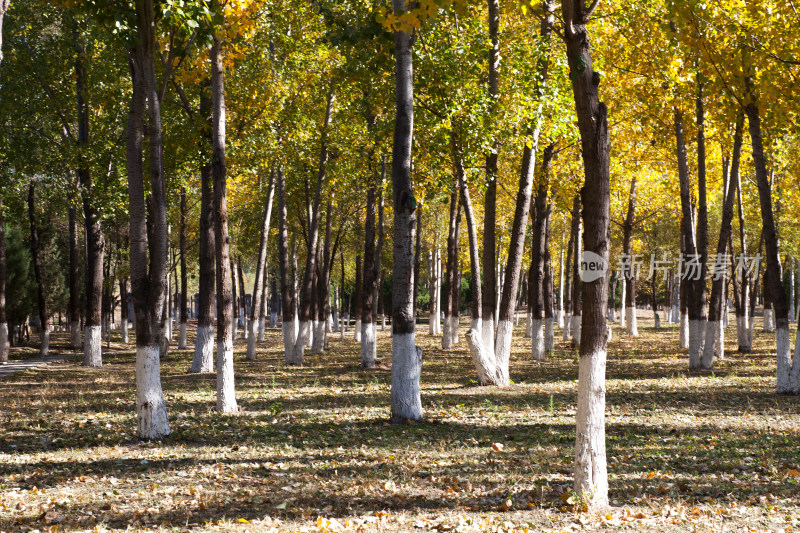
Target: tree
(261,272)
(406,403)
(591,478)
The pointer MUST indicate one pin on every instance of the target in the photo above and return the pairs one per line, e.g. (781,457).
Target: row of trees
(499,122)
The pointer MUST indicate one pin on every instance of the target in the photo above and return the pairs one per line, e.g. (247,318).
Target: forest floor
(312,449)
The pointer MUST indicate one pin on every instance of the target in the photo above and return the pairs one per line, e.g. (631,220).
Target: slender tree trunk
(567,331)
(323,286)
(688,249)
(406,403)
(368,346)
(95,242)
(226,389)
(41,290)
(261,272)
(717,289)
(287,290)
(628,271)
(234,297)
(577,295)
(148,254)
(417,261)
(184,310)
(548,291)
(307,293)
(612,305)
(489,291)
(452,265)
(242,296)
(203,361)
(536,279)
(123,299)
(74,284)
(561,282)
(485,364)
(591,480)
(788,381)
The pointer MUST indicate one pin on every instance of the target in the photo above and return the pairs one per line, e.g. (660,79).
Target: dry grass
(312,448)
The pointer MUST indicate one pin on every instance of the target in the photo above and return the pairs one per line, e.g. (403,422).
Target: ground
(312,448)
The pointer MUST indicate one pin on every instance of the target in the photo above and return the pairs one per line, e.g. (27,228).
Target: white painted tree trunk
(44,345)
(612,313)
(447,339)
(697,332)
(203,361)
(151,411)
(357,330)
(252,338)
(632,326)
(576,329)
(769,321)
(75,335)
(528,325)
(719,349)
(566,332)
(383,322)
(181,336)
(289,340)
(124,328)
(235,325)
(591,476)
(318,344)
(92,347)
(795,372)
(406,369)
(537,339)
(502,351)
(226,390)
(549,335)
(4,342)
(342,326)
(273,319)
(484,362)
(743,334)
(710,348)
(684,331)
(786,385)
(676,314)
(622,308)
(302,333)
(369,348)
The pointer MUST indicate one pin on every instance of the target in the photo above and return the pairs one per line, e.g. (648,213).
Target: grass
(312,449)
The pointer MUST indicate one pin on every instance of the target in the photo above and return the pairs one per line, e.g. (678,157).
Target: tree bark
(74,283)
(417,260)
(549,335)
(148,254)
(450,330)
(123,304)
(203,361)
(184,304)
(698,317)
(4,4)
(591,480)
(538,250)
(323,286)
(567,331)
(359,298)
(718,284)
(368,347)
(41,290)
(95,242)
(788,381)
(629,273)
(288,315)
(406,403)
(242,296)
(576,322)
(226,390)
(257,310)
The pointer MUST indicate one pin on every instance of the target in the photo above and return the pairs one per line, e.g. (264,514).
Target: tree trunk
(591,480)
(537,279)
(226,389)
(567,331)
(629,272)
(287,291)
(148,253)
(234,297)
(307,292)
(451,327)
(4,333)
(184,309)
(577,295)
(261,271)
(417,261)
(549,336)
(95,242)
(698,317)
(74,283)
(689,296)
(357,305)
(323,286)
(242,297)
(561,282)
(368,347)
(203,361)
(406,403)
(123,299)
(788,381)
(716,303)
(41,290)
